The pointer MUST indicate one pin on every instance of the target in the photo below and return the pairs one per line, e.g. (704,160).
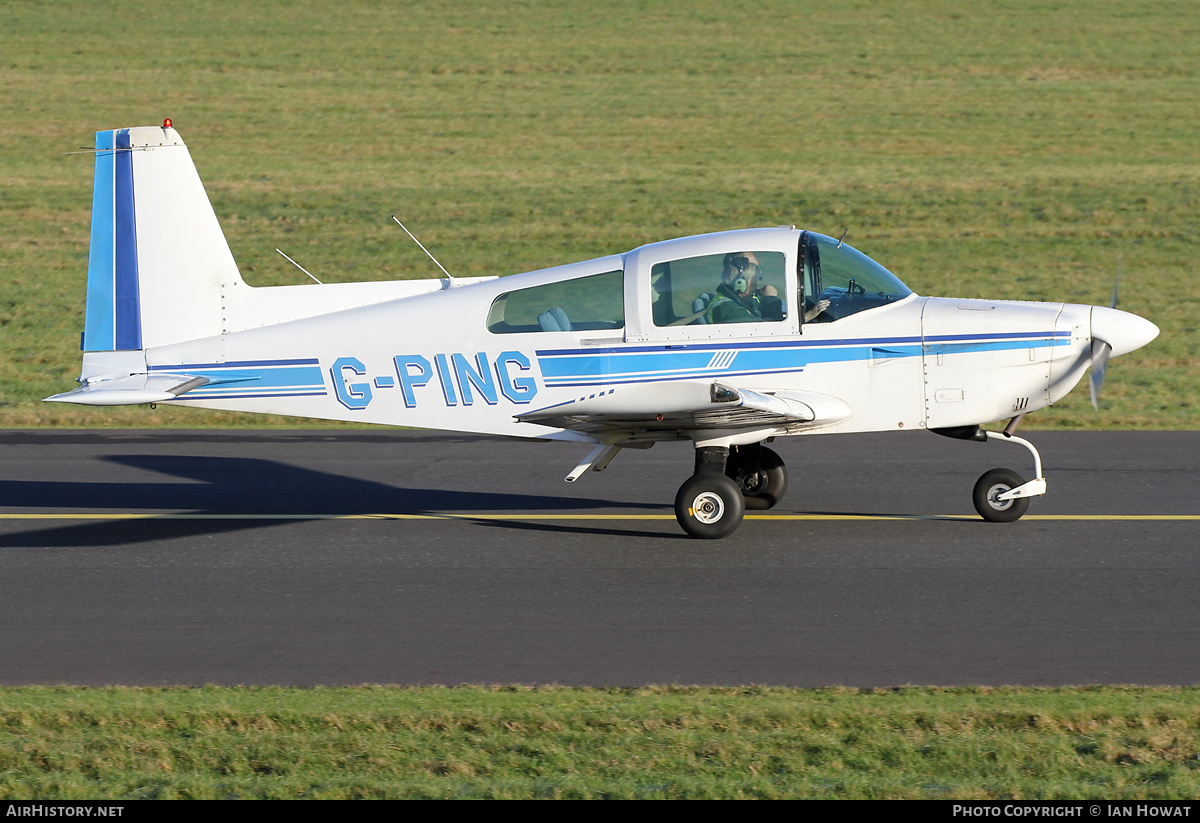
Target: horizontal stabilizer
(136,389)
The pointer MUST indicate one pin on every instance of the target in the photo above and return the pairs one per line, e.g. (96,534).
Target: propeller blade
(1116,332)
(1100,352)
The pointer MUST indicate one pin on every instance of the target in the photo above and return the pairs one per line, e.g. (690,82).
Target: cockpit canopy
(743,283)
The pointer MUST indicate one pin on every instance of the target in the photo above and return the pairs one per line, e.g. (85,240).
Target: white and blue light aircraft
(725,340)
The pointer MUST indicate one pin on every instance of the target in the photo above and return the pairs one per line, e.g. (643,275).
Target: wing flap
(825,410)
(683,406)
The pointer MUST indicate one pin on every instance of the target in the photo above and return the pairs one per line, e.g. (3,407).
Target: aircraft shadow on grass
(237,491)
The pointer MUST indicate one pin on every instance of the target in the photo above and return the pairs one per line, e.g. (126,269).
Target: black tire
(762,478)
(992,484)
(709,506)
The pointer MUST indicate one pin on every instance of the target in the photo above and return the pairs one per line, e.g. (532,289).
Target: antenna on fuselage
(297,265)
(1112,304)
(843,237)
(418,242)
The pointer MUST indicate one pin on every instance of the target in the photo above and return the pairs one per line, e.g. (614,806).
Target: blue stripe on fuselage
(567,367)
(252,378)
(236,364)
(279,377)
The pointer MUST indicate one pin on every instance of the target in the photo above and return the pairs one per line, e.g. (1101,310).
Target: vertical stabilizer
(159,262)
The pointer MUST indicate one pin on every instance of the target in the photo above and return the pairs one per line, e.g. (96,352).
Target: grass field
(669,743)
(1020,149)
(1016,150)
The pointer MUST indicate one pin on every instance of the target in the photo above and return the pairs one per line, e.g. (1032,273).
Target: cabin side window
(581,304)
(736,287)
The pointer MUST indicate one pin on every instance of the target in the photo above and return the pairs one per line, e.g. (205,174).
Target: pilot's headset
(738,272)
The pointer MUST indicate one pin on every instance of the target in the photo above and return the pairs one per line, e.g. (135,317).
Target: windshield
(844,279)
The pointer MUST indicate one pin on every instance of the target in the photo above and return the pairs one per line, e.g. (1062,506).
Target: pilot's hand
(816,310)
(768,291)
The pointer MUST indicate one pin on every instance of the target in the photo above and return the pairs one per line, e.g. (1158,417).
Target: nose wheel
(1002,495)
(989,496)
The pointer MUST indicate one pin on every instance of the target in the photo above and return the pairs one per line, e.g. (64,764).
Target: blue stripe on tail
(113,320)
(126,306)
(99,322)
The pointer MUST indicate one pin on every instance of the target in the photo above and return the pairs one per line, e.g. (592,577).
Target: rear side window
(582,304)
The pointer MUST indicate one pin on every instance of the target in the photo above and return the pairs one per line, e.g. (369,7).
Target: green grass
(471,742)
(1014,150)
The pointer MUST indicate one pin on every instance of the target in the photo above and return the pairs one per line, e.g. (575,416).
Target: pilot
(660,294)
(739,298)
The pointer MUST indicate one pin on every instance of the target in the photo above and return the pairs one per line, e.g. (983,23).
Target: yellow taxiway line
(539,516)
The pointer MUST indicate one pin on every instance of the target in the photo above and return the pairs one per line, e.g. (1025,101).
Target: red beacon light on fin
(167,123)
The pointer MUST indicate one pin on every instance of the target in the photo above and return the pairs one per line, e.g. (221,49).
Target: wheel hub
(708,507)
(753,482)
(993,497)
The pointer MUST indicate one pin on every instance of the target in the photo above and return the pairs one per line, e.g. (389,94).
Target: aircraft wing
(683,406)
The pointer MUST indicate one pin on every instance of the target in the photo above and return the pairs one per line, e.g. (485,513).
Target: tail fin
(159,261)
(160,273)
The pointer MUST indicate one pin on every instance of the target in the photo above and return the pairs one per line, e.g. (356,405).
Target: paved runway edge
(310,558)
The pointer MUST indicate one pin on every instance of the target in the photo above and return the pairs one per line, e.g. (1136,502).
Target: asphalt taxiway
(317,557)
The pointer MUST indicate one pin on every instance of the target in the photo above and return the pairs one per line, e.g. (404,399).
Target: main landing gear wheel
(709,506)
(759,473)
(988,489)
